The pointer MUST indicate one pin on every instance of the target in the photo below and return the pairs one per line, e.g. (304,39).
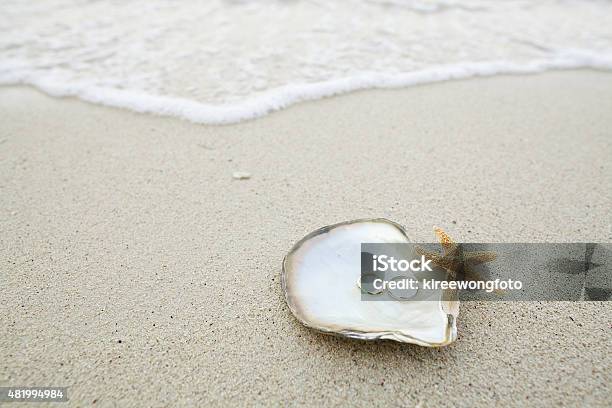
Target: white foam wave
(285,96)
(168,62)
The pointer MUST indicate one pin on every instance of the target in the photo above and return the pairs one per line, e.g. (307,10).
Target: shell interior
(320,276)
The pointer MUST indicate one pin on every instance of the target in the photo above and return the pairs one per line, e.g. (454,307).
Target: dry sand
(137,272)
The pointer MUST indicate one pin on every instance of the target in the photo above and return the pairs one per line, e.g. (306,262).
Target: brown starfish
(457,262)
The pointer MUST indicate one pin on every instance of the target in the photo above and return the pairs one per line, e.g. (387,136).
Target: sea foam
(227,61)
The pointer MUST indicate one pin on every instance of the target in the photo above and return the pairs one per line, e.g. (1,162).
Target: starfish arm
(469,274)
(443,262)
(479,257)
(432,256)
(446,241)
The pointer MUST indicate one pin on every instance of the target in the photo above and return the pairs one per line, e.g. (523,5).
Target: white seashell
(320,280)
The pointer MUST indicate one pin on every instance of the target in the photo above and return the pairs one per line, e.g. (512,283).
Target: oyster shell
(319,280)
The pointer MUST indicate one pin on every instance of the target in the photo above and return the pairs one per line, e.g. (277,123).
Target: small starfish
(457,262)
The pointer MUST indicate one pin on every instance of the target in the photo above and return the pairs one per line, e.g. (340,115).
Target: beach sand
(137,272)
